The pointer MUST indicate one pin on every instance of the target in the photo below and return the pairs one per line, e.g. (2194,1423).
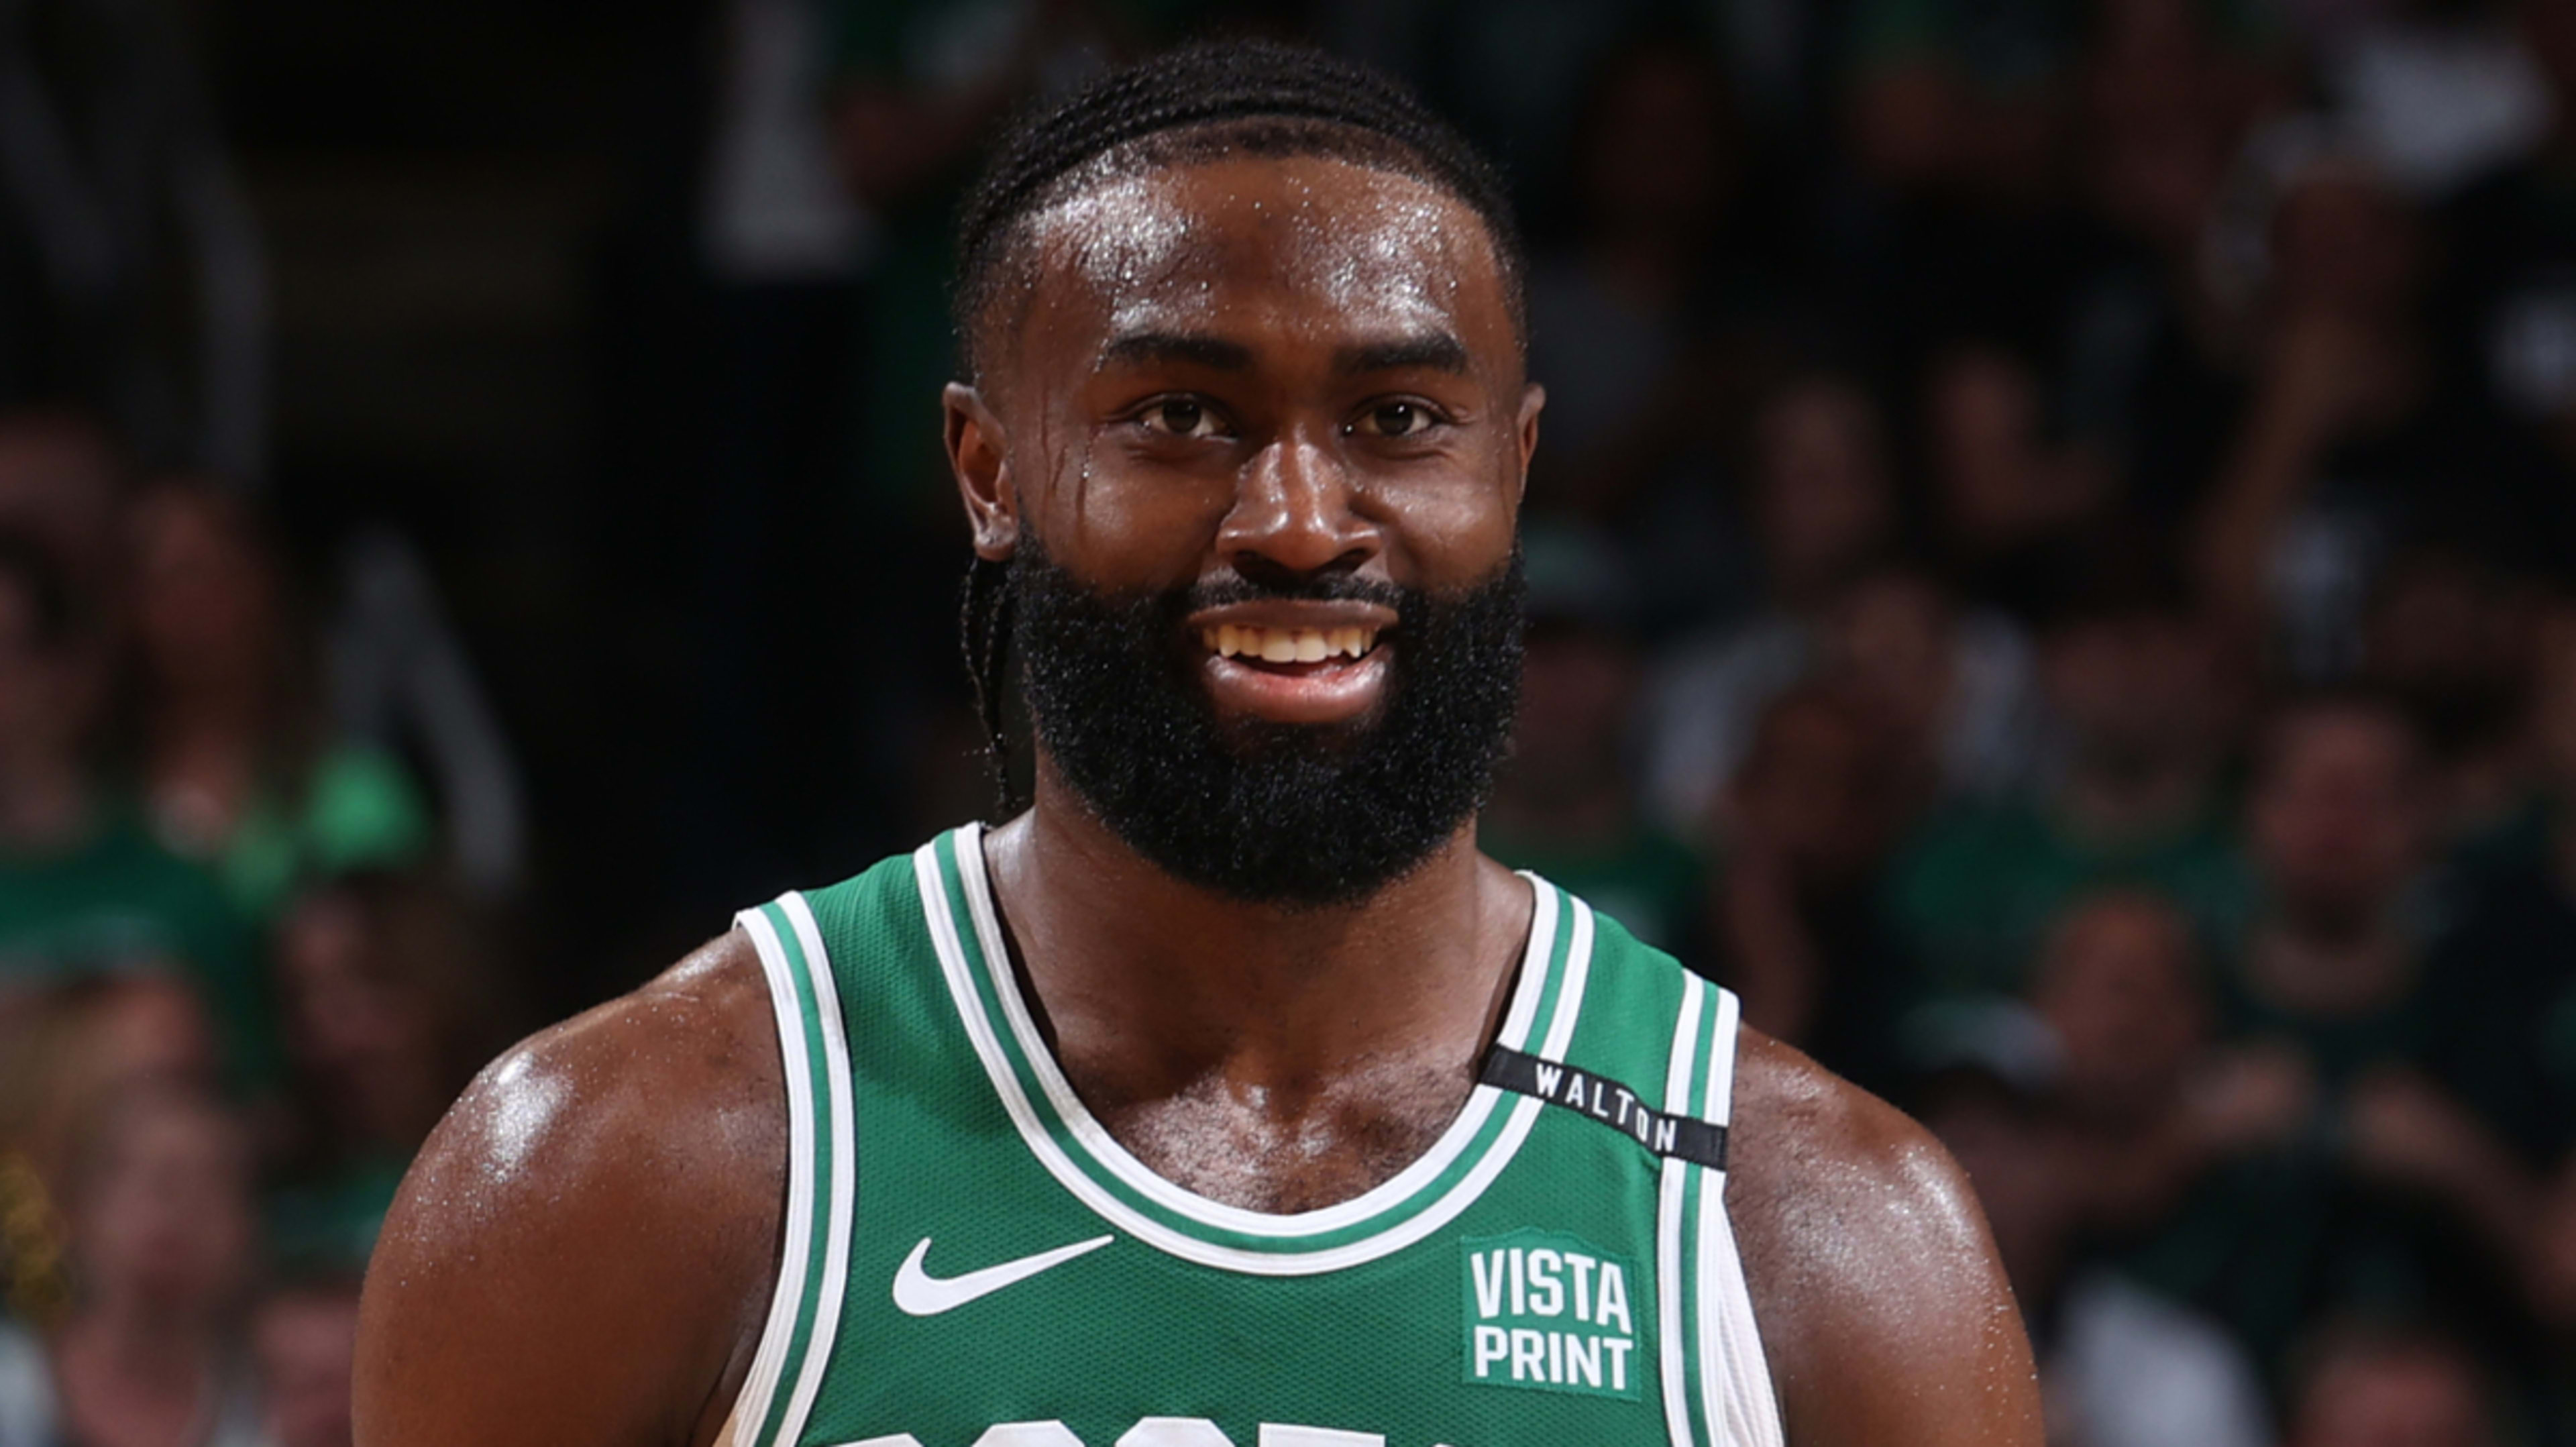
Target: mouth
(1291,673)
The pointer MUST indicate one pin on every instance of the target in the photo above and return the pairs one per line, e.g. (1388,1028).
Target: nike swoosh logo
(918,1293)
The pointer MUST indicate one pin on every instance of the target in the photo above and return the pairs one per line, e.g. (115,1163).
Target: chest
(987,1304)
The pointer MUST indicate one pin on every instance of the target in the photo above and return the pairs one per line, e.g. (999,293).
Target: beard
(1301,816)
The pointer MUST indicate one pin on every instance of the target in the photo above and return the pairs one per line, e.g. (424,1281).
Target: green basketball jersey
(969,1259)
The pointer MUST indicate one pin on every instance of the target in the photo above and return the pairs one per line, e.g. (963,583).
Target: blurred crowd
(241,972)
(2053,573)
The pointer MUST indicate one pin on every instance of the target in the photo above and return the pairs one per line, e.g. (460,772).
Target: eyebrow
(1146,348)
(1431,351)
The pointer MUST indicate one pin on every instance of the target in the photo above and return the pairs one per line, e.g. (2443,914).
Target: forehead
(1263,246)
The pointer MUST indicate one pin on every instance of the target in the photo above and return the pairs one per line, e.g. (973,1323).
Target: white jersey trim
(1482,1100)
(1731,1365)
(751,1407)
(1668,1220)
(844,1198)
(805,1194)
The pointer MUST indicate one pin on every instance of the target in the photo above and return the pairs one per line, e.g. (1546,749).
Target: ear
(978,453)
(1533,401)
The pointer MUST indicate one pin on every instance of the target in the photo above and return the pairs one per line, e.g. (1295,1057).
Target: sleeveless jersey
(969,1259)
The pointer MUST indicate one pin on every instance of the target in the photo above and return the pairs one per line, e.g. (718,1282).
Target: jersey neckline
(1072,1145)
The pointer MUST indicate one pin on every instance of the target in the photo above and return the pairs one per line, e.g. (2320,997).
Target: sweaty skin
(1263,366)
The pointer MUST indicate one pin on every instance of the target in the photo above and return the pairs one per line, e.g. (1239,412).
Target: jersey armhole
(805,1302)
(1732,1363)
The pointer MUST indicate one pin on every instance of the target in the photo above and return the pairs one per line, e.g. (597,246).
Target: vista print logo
(1550,1312)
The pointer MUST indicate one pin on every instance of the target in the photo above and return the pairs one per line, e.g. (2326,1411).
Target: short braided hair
(1202,102)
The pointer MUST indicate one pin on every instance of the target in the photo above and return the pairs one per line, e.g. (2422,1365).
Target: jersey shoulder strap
(1655,1057)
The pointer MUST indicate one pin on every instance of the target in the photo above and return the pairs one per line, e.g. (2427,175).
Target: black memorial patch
(1600,1098)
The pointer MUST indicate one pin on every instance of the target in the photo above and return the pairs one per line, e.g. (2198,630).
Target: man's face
(1256,442)
(2136,691)
(2337,819)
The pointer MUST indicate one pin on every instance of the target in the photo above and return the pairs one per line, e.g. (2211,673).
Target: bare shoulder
(583,1252)
(1883,1312)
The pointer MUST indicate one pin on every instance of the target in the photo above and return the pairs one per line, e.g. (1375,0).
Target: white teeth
(1287,645)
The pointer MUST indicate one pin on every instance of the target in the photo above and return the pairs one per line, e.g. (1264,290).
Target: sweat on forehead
(1108,217)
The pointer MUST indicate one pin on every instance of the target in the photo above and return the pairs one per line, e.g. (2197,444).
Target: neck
(1155,988)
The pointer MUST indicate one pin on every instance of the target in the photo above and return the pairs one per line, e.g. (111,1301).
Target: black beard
(1294,815)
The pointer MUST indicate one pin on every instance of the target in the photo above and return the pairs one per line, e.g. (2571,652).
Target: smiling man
(1225,1094)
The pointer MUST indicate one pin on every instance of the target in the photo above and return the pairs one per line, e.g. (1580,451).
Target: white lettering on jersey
(1029,1434)
(1547,1284)
(1175,1432)
(1613,1305)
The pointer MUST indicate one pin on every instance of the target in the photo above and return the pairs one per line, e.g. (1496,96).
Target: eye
(1395,419)
(1181,417)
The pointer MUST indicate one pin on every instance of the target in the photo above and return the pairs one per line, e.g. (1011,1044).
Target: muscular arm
(583,1255)
(1883,1311)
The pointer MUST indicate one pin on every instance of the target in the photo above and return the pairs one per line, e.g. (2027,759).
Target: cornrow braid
(1197,103)
(1253,96)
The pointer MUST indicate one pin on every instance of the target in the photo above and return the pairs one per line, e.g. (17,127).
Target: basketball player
(1226,1094)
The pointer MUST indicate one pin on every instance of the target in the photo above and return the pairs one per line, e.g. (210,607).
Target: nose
(1293,512)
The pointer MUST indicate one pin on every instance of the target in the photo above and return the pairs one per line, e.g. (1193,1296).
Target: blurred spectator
(2337,965)
(1824,514)
(2516,928)
(304,1337)
(62,482)
(2006,495)
(2366,1384)
(2374,1184)
(2144,1105)
(70,1045)
(1804,825)
(163,1246)
(1633,322)
(2119,1365)
(401,681)
(1567,803)
(390,1006)
(83,887)
(2139,700)
(2354,436)
(1822,507)
(65,1049)
(2448,634)
(238,758)
(2152,358)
